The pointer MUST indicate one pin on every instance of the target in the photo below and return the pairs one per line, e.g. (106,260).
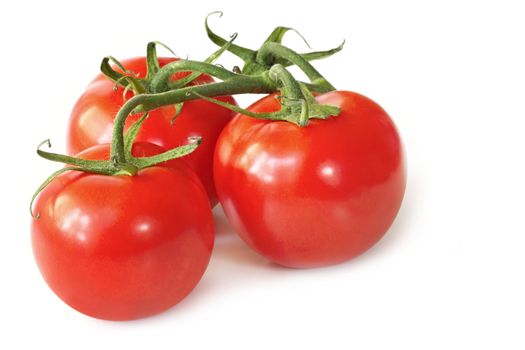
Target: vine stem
(240,84)
(290,87)
(161,79)
(271,51)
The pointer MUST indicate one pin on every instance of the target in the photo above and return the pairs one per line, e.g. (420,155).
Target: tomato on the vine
(91,121)
(315,195)
(123,247)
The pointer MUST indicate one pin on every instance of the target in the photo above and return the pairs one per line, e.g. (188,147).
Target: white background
(448,275)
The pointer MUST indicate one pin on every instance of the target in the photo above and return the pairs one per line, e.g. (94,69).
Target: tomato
(91,121)
(315,195)
(123,247)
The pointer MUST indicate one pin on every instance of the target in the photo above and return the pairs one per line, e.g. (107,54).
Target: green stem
(241,84)
(290,87)
(118,154)
(161,80)
(271,51)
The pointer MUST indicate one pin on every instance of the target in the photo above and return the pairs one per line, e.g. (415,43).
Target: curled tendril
(194,139)
(244,53)
(133,83)
(219,13)
(159,43)
(278,33)
(46,155)
(161,81)
(119,64)
(46,141)
(44,185)
(317,55)
(112,166)
(301,36)
(125,92)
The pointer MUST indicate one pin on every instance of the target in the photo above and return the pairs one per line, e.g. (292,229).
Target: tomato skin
(123,247)
(91,121)
(312,196)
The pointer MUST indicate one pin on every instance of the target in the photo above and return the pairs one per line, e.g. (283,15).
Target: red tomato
(316,195)
(123,247)
(91,121)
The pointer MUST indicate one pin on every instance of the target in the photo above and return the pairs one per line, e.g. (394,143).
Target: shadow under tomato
(234,263)
(222,226)
(231,249)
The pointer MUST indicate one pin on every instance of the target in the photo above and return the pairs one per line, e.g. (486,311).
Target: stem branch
(161,80)
(271,51)
(241,84)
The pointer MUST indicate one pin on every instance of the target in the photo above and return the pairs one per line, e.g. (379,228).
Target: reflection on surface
(262,164)
(73,221)
(143,227)
(327,170)
(95,128)
(329,173)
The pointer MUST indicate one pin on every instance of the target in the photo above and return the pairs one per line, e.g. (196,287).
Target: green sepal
(296,111)
(98,166)
(270,116)
(277,35)
(106,68)
(44,185)
(181,151)
(127,169)
(109,167)
(120,79)
(251,66)
(152,60)
(133,83)
(309,97)
(178,110)
(311,56)
(210,59)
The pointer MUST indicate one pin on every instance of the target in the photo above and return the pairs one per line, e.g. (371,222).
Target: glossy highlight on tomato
(123,247)
(315,195)
(91,121)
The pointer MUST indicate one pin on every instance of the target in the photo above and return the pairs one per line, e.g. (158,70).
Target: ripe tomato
(123,247)
(91,121)
(316,195)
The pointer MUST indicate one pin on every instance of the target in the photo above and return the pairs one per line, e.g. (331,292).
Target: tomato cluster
(91,121)
(123,237)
